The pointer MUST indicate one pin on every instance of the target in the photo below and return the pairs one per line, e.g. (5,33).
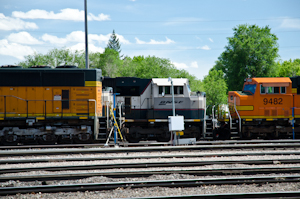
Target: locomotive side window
(270,90)
(160,90)
(262,89)
(167,90)
(178,90)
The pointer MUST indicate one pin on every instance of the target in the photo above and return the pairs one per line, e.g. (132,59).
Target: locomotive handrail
(45,113)
(213,116)
(240,125)
(144,101)
(230,119)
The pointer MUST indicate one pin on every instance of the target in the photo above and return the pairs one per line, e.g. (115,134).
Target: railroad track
(5,153)
(147,173)
(198,155)
(183,163)
(148,143)
(50,171)
(142,184)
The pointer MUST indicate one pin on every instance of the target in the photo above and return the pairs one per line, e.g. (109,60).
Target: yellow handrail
(116,124)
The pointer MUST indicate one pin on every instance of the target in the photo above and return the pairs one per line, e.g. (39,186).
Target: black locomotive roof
(126,86)
(296,83)
(48,76)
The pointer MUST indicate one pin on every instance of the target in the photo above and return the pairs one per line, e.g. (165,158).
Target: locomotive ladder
(209,122)
(208,134)
(235,125)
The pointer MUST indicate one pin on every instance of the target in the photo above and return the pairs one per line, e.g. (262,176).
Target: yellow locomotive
(48,105)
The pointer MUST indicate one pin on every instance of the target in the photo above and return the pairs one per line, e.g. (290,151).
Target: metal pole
(293,113)
(173,106)
(173,103)
(115,130)
(86,36)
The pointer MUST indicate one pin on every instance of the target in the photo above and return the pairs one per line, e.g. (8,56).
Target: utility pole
(173,107)
(86,36)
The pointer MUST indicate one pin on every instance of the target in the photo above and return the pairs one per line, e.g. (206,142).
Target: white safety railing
(240,123)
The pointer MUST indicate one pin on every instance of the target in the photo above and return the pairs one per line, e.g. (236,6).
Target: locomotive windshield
(249,88)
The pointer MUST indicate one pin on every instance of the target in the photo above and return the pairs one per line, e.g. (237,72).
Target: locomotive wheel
(10,140)
(48,139)
(132,139)
(85,139)
(221,134)
(165,137)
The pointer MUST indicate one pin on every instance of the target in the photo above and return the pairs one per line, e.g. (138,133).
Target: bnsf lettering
(169,102)
(274,101)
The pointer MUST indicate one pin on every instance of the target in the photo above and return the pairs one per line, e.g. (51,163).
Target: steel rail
(146,173)
(284,194)
(65,159)
(146,165)
(146,149)
(142,184)
(146,143)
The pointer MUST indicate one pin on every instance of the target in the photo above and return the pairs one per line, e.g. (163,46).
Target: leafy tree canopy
(215,88)
(55,57)
(288,68)
(251,52)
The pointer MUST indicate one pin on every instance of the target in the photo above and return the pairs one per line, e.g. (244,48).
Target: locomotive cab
(263,107)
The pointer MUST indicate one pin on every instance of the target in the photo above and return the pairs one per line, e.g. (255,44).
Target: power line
(163,34)
(201,20)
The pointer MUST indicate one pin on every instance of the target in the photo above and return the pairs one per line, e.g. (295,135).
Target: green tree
(55,57)
(215,88)
(34,60)
(108,62)
(251,52)
(288,68)
(113,43)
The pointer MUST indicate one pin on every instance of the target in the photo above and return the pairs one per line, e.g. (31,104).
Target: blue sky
(191,33)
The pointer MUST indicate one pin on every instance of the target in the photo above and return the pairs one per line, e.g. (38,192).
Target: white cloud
(198,38)
(152,41)
(206,47)
(290,23)
(210,39)
(23,38)
(64,14)
(54,39)
(81,47)
(8,23)
(14,49)
(79,37)
(180,65)
(193,64)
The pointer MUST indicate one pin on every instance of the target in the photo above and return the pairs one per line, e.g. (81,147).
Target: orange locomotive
(266,108)
(48,105)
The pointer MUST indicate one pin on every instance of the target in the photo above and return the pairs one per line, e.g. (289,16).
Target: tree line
(252,51)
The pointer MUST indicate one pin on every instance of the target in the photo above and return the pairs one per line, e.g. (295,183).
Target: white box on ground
(186,141)
(176,123)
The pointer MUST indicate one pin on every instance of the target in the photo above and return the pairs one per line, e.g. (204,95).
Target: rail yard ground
(130,174)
